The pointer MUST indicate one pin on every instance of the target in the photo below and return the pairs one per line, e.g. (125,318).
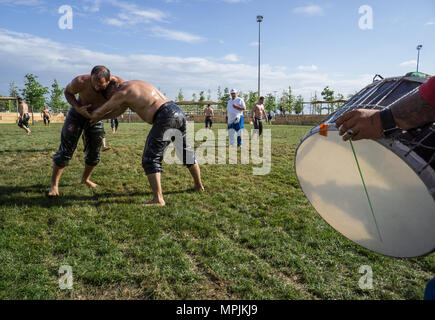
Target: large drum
(377,193)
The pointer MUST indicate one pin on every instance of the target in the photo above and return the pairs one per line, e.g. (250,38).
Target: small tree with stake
(33,93)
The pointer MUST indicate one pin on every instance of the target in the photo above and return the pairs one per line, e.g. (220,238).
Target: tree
(225,98)
(314,106)
(201,98)
(328,95)
(13,90)
(299,105)
(252,99)
(34,92)
(4,105)
(219,93)
(180,96)
(209,95)
(270,102)
(340,104)
(287,100)
(194,97)
(56,99)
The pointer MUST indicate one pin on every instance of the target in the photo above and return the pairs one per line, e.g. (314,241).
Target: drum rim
(386,143)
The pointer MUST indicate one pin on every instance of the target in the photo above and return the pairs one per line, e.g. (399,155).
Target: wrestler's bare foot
(155,203)
(107,149)
(90,184)
(54,192)
(198,189)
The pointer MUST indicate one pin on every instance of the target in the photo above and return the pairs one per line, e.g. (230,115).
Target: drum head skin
(403,219)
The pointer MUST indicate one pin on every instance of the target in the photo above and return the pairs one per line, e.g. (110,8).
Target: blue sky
(201,44)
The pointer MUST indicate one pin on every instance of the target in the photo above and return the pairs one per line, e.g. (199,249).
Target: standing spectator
(235,109)
(257,116)
(46,115)
(209,114)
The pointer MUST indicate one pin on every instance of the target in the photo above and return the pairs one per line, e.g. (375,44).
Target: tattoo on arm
(413,112)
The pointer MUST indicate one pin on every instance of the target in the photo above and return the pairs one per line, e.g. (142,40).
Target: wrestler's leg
(152,162)
(55,177)
(186,154)
(71,131)
(92,140)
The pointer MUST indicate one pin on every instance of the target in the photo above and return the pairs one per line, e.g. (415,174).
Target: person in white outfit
(235,109)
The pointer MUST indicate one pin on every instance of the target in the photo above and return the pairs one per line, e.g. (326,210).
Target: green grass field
(247,237)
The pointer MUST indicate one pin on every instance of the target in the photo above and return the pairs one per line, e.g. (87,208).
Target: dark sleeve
(427,91)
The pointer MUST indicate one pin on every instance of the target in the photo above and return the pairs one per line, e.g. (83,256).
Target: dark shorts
(258,125)
(46,119)
(114,123)
(75,124)
(24,122)
(208,121)
(169,116)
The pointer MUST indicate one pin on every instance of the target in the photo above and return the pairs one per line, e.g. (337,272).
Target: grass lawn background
(247,237)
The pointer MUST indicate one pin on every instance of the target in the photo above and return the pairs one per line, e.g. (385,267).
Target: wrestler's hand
(364,123)
(83,110)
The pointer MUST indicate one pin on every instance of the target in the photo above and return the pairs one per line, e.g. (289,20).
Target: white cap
(234,91)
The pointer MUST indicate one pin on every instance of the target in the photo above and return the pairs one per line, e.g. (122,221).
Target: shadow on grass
(10,196)
(27,150)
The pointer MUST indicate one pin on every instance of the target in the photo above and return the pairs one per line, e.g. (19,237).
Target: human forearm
(114,113)
(236,106)
(412,112)
(72,100)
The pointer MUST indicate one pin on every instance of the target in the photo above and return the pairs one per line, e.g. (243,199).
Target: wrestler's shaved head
(100,77)
(101,72)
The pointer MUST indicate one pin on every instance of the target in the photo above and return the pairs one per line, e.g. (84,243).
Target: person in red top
(411,112)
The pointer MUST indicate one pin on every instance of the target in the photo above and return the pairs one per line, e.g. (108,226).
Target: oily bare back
(141,97)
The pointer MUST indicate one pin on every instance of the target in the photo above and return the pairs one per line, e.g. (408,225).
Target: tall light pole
(259,20)
(419,47)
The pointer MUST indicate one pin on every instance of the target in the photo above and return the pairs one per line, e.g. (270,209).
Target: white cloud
(177,35)
(410,63)
(129,14)
(231,58)
(308,68)
(23,53)
(114,22)
(309,10)
(430,23)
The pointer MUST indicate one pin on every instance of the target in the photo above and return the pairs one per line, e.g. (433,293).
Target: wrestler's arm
(113,105)
(74,87)
(115,113)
